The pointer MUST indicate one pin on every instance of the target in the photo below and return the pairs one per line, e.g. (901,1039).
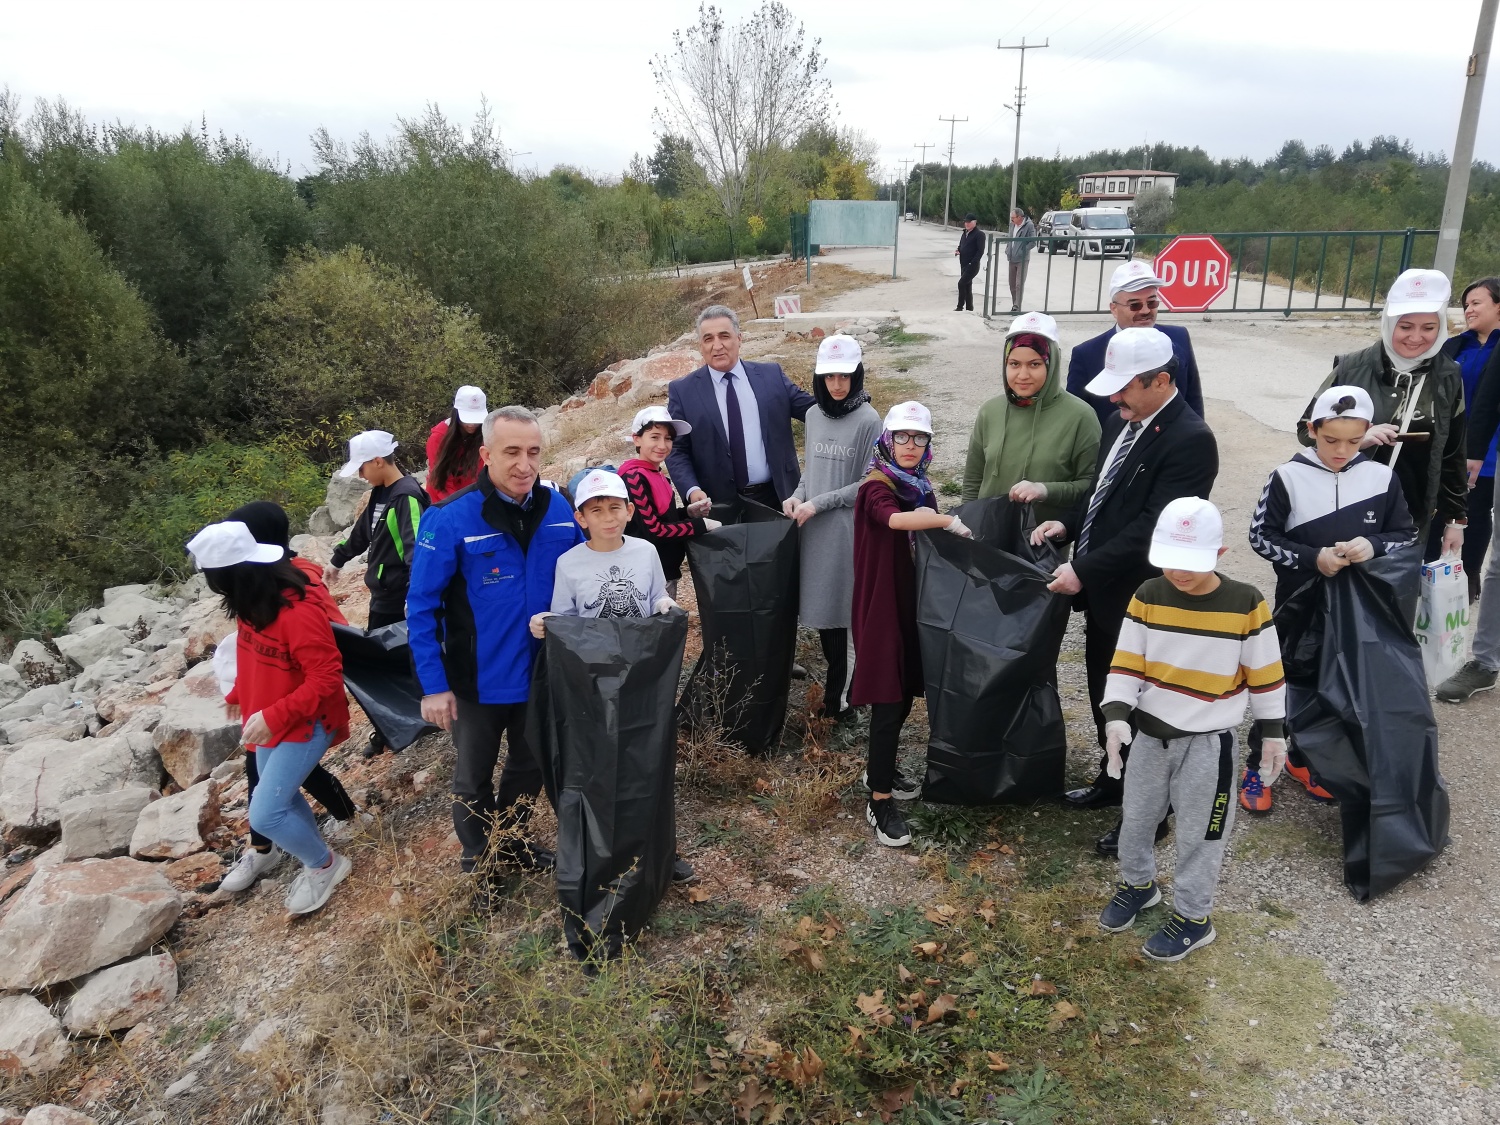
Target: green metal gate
(1271,271)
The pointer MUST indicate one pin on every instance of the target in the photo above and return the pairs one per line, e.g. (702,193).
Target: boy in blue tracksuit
(485,563)
(1327,508)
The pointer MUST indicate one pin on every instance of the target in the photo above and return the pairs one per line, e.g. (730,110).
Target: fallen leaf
(697,894)
(1063,1010)
(767,1047)
(1006,850)
(762,785)
(986,911)
(927,949)
(941,1007)
(702,1084)
(874,1007)
(997,1062)
(751,1097)
(812,1065)
(1043,988)
(806,926)
(892,1102)
(905,974)
(958,1087)
(940,913)
(639,1098)
(1071,943)
(969,959)
(856,1039)
(777,1114)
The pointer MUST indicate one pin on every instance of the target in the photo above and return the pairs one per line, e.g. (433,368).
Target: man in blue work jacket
(483,565)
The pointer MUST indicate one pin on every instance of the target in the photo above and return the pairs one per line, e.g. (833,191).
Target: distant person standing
(1018,255)
(453,445)
(1474,350)
(1134,298)
(970,253)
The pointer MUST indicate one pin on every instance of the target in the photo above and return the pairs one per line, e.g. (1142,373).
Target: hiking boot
(890,827)
(903,788)
(374,747)
(1473,677)
(1255,796)
(250,867)
(1179,937)
(311,889)
(682,871)
(1314,790)
(1129,901)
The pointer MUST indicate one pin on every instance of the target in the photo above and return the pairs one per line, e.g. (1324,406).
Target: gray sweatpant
(1196,776)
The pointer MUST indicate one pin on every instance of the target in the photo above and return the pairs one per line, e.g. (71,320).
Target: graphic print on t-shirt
(618,595)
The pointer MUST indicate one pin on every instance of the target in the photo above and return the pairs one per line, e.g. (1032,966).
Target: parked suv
(1105,232)
(1050,224)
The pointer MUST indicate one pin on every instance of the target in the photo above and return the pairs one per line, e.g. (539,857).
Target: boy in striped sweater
(1194,648)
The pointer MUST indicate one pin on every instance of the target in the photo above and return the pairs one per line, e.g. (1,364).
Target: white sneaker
(312,888)
(249,867)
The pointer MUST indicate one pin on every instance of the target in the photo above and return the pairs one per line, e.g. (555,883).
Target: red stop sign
(1195,270)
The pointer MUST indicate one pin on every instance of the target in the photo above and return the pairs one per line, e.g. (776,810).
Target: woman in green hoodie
(1035,443)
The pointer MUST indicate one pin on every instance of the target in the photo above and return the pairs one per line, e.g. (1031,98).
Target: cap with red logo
(909,416)
(1131,352)
(1418,291)
(838,355)
(1039,323)
(599,482)
(1131,277)
(1188,535)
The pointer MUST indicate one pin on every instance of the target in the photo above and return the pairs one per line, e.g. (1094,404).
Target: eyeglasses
(1137,306)
(901,437)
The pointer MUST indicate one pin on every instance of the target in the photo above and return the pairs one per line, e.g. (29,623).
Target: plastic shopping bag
(1443,618)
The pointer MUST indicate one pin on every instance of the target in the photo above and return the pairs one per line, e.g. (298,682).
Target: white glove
(664,604)
(702,506)
(1357,550)
(1272,759)
(711,525)
(958,528)
(1116,734)
(1028,492)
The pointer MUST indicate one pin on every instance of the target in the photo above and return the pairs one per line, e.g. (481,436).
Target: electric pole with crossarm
(1015,163)
(948,192)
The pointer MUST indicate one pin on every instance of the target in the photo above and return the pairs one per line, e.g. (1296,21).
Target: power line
(948,192)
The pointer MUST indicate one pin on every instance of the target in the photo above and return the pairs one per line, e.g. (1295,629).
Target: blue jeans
(277,808)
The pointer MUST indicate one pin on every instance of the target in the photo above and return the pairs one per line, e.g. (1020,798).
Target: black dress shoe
(1109,844)
(526,855)
(1095,796)
(682,871)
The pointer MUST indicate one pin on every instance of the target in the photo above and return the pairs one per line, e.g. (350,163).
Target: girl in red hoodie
(289,683)
(657,516)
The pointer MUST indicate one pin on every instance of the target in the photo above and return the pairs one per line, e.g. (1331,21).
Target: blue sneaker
(1129,901)
(1179,937)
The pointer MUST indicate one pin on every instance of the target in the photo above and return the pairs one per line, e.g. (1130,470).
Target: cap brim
(839,367)
(350,469)
(472,417)
(1404,308)
(681,428)
(266,553)
(1106,383)
(1170,556)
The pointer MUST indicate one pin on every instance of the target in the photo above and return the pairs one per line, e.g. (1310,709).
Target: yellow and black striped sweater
(1188,664)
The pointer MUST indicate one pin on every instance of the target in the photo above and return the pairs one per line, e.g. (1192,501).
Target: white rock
(195,733)
(53,1114)
(77,917)
(102,824)
(175,826)
(31,1039)
(9,1115)
(181,1086)
(343,498)
(68,726)
(31,704)
(260,1035)
(120,701)
(12,687)
(82,620)
(132,589)
(228,771)
(96,643)
(36,663)
(203,624)
(320,522)
(103,674)
(121,996)
(38,777)
(126,611)
(143,721)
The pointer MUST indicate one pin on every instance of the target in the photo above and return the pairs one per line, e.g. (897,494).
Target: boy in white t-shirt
(608,575)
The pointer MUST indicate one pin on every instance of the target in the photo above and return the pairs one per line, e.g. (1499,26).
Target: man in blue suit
(1133,301)
(741,414)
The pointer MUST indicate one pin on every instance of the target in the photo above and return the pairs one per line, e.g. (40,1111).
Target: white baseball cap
(649,415)
(1418,291)
(1328,402)
(909,416)
(1131,352)
(471,405)
(1133,276)
(366,447)
(599,482)
(838,355)
(225,544)
(1040,323)
(1188,535)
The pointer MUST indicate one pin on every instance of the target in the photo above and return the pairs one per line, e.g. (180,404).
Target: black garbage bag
(378,673)
(601,719)
(1359,713)
(746,577)
(990,634)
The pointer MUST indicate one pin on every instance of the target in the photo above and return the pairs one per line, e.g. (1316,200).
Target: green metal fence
(1270,271)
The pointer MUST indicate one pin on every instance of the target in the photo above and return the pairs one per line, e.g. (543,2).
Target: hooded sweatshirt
(1054,441)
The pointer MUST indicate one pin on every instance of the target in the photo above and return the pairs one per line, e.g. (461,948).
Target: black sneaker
(1179,937)
(1473,677)
(903,788)
(682,871)
(1129,901)
(374,747)
(890,827)
(526,855)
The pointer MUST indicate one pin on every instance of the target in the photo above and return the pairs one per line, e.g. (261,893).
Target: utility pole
(1015,163)
(1446,259)
(905,176)
(922,175)
(948,191)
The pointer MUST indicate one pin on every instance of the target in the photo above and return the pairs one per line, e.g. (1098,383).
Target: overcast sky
(570,82)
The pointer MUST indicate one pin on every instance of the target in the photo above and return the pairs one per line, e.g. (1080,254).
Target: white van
(1105,231)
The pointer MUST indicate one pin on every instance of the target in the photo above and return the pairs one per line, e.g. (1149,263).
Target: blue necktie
(1131,432)
(736,429)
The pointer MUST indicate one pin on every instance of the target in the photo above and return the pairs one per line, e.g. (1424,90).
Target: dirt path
(1402,995)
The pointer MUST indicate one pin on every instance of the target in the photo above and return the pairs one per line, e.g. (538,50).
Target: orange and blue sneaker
(1255,795)
(1314,790)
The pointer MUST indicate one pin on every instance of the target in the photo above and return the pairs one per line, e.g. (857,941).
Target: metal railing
(1270,271)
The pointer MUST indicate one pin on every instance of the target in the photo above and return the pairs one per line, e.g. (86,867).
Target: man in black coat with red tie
(1153,451)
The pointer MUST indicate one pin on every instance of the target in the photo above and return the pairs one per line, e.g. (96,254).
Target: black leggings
(886,720)
(836,652)
(320,785)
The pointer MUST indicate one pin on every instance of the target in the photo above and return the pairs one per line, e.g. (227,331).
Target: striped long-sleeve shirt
(1188,664)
